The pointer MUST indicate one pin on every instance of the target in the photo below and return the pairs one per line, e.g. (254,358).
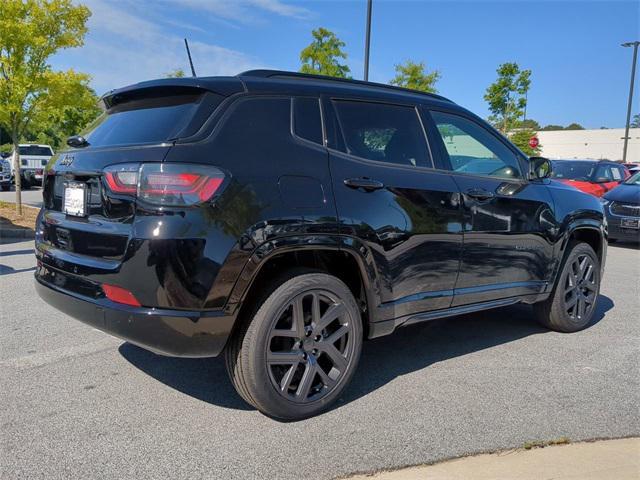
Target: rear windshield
(573,170)
(35,150)
(153,120)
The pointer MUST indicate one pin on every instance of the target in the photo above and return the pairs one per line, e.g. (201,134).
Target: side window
(617,174)
(386,133)
(306,119)
(603,174)
(473,149)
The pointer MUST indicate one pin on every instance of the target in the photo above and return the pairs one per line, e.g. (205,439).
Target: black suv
(281,219)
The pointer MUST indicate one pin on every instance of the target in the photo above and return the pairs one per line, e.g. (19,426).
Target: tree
(520,139)
(177,73)
(635,122)
(31,92)
(507,96)
(574,126)
(552,127)
(412,75)
(322,56)
(529,123)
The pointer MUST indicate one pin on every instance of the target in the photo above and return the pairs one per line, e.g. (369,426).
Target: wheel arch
(342,257)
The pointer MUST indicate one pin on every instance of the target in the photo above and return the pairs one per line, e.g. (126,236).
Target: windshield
(570,170)
(633,179)
(36,151)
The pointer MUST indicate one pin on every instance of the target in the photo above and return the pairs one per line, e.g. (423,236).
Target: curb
(17,233)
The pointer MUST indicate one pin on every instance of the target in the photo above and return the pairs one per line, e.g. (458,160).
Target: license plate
(75,198)
(630,223)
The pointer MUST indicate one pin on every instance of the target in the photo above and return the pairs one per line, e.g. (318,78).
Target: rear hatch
(86,216)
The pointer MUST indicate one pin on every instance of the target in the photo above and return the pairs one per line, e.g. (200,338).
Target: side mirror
(539,168)
(77,141)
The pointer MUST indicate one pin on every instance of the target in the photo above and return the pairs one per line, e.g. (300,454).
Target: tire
(6,188)
(290,369)
(571,305)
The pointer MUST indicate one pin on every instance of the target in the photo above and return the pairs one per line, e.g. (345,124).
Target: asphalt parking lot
(77,403)
(31,197)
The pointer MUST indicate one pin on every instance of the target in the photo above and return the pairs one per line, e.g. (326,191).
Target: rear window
(35,150)
(152,120)
(569,170)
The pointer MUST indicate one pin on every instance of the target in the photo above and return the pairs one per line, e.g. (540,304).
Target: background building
(593,144)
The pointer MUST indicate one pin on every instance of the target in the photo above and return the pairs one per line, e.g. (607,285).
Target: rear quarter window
(307,122)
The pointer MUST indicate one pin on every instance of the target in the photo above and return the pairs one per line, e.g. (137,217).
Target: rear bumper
(167,332)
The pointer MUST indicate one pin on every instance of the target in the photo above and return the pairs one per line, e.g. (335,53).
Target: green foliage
(529,123)
(412,75)
(177,73)
(507,96)
(571,126)
(31,92)
(635,121)
(322,56)
(520,139)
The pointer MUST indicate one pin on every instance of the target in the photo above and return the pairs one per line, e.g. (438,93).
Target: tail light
(165,183)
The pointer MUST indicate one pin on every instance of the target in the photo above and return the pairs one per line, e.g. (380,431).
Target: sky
(580,73)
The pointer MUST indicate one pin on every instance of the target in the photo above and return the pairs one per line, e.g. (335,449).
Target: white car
(5,174)
(33,159)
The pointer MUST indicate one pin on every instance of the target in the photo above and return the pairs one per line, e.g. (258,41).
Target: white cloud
(122,48)
(243,11)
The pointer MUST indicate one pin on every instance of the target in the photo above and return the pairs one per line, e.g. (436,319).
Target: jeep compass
(280,219)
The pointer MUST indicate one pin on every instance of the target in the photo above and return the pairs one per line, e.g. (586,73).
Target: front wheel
(300,349)
(573,301)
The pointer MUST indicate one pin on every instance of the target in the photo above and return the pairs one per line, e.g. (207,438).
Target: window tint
(306,119)
(473,149)
(35,150)
(151,121)
(387,133)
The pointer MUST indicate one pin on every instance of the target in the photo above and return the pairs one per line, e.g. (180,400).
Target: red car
(596,177)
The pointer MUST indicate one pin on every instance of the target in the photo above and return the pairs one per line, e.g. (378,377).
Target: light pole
(367,41)
(633,78)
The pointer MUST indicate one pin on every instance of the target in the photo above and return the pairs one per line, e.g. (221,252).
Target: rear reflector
(120,295)
(165,183)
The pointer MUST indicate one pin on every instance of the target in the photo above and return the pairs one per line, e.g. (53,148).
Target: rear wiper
(77,141)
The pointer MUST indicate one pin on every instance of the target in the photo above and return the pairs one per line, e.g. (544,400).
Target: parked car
(622,208)
(633,168)
(595,177)
(5,174)
(33,159)
(281,219)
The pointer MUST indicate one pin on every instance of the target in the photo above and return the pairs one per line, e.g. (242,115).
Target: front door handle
(367,184)
(480,193)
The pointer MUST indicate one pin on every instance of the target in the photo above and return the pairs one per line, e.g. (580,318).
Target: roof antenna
(193,71)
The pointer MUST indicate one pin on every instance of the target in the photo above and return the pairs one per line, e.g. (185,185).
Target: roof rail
(263,73)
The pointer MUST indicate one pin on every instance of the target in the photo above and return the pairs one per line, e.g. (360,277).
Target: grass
(9,218)
(545,443)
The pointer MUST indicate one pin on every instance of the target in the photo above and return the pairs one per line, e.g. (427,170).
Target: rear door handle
(367,184)
(480,193)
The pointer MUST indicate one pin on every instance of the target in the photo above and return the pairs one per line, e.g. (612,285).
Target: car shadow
(407,350)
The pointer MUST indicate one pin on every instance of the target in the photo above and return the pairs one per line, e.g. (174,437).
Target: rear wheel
(300,349)
(573,302)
